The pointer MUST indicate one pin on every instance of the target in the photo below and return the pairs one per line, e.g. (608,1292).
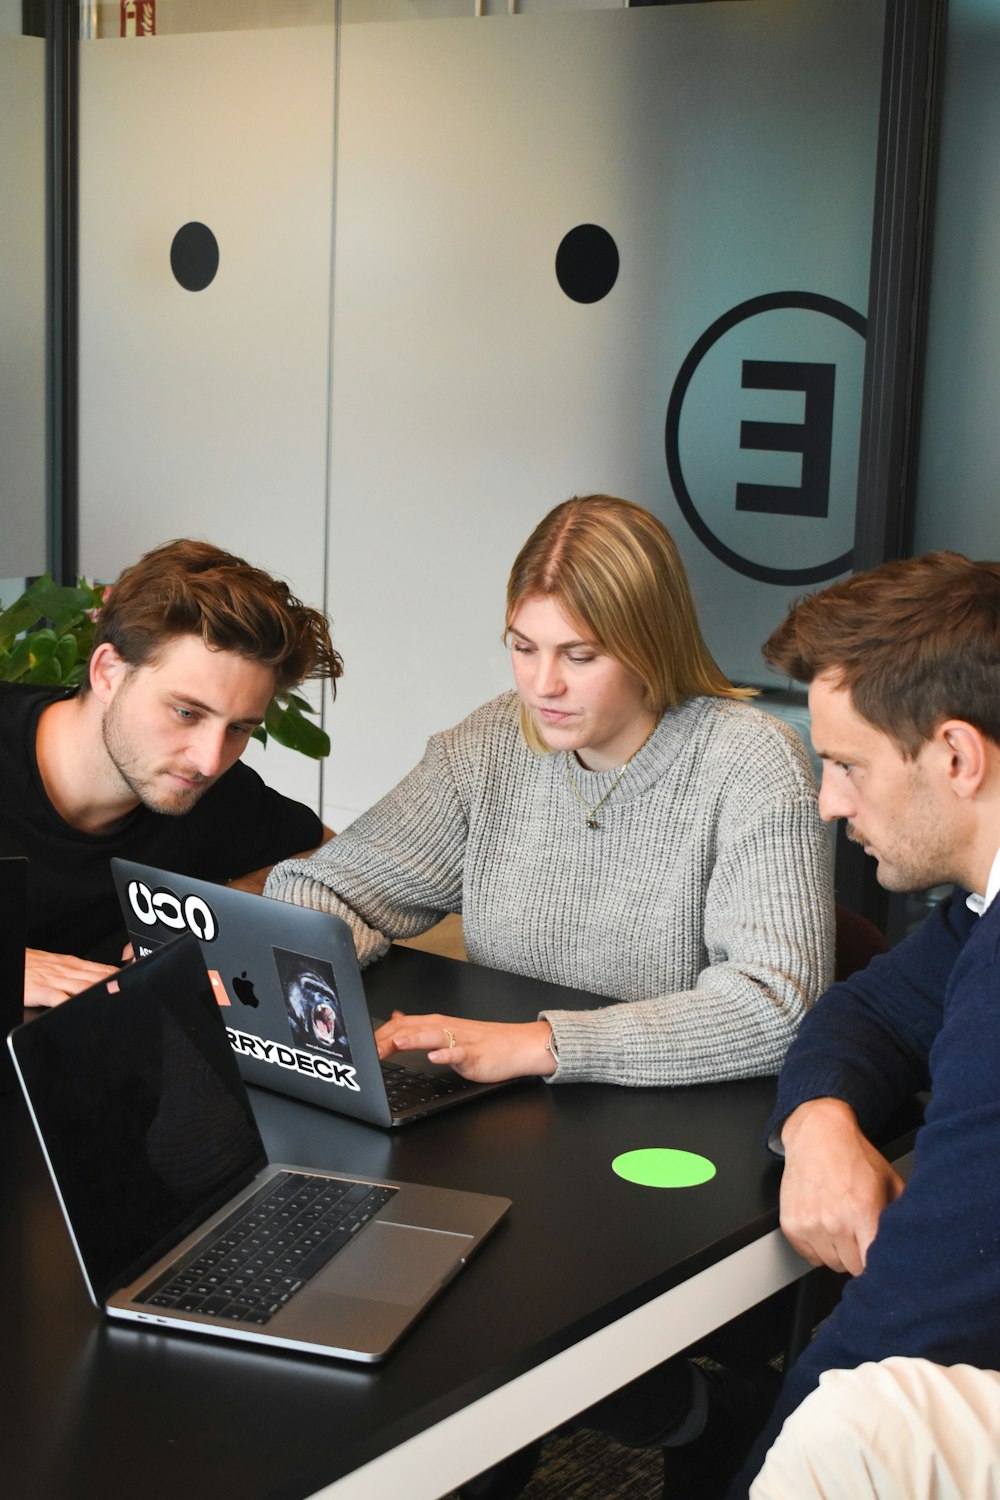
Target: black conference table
(589,1281)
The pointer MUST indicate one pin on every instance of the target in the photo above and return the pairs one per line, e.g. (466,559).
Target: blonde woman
(624,822)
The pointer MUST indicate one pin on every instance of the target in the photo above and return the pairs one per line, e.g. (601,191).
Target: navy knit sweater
(925,1014)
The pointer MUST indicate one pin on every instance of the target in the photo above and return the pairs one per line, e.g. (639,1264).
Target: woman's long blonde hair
(613,568)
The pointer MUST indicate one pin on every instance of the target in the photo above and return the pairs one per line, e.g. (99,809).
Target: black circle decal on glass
(194,256)
(809,302)
(587,263)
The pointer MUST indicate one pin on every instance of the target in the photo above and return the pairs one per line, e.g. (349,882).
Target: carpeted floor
(588,1466)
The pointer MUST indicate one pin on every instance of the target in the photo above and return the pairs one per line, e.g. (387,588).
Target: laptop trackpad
(405,1264)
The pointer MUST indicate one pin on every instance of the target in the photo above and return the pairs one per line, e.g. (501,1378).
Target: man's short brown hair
(193,588)
(915,643)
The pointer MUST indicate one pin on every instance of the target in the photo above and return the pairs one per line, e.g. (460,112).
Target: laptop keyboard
(268,1250)
(405,1087)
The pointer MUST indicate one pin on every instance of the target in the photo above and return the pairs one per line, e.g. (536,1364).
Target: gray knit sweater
(703,901)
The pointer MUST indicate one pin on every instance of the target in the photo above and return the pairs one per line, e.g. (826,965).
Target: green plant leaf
(272,716)
(17,618)
(17,661)
(49,655)
(63,606)
(44,662)
(286,724)
(41,643)
(68,654)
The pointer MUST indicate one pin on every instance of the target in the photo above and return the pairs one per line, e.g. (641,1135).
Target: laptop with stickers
(178,1219)
(288,984)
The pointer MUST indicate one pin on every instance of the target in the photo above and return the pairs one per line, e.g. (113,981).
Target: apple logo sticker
(244,990)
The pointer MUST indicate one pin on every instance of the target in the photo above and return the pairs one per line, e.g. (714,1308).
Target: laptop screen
(144,1116)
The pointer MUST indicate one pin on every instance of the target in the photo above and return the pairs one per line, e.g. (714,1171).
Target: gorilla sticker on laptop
(314,1015)
(320,1048)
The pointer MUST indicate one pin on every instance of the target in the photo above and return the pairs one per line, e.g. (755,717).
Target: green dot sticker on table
(660,1167)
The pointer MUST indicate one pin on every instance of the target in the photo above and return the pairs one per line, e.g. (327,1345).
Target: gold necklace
(591,812)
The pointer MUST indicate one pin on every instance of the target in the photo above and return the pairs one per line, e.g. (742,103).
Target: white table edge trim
(437,1460)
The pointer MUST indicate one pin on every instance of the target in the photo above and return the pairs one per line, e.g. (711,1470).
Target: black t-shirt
(238,825)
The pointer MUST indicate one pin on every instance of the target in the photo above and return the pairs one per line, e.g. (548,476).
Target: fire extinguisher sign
(138,17)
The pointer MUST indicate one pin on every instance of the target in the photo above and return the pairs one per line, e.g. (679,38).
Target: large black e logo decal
(812,437)
(762,435)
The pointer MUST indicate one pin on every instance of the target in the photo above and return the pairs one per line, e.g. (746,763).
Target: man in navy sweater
(903,667)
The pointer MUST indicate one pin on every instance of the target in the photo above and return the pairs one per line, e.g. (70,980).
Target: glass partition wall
(365,288)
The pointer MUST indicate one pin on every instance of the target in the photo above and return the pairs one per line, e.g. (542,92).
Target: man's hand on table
(835,1185)
(50,978)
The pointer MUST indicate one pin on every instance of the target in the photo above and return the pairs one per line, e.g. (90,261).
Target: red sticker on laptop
(218,988)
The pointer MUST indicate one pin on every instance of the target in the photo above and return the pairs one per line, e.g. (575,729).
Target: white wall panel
(206,413)
(728,149)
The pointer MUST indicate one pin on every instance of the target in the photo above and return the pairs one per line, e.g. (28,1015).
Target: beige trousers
(903,1429)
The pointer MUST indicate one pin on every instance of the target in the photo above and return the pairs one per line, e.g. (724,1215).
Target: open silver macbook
(177,1217)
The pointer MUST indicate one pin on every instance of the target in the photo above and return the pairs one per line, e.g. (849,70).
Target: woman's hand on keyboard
(484,1051)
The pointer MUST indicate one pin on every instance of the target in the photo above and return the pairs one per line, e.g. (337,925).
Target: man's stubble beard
(122,757)
(919,864)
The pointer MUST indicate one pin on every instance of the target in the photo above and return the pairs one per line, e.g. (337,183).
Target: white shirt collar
(979,904)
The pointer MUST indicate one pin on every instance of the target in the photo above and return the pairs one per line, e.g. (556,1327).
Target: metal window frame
(898,290)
